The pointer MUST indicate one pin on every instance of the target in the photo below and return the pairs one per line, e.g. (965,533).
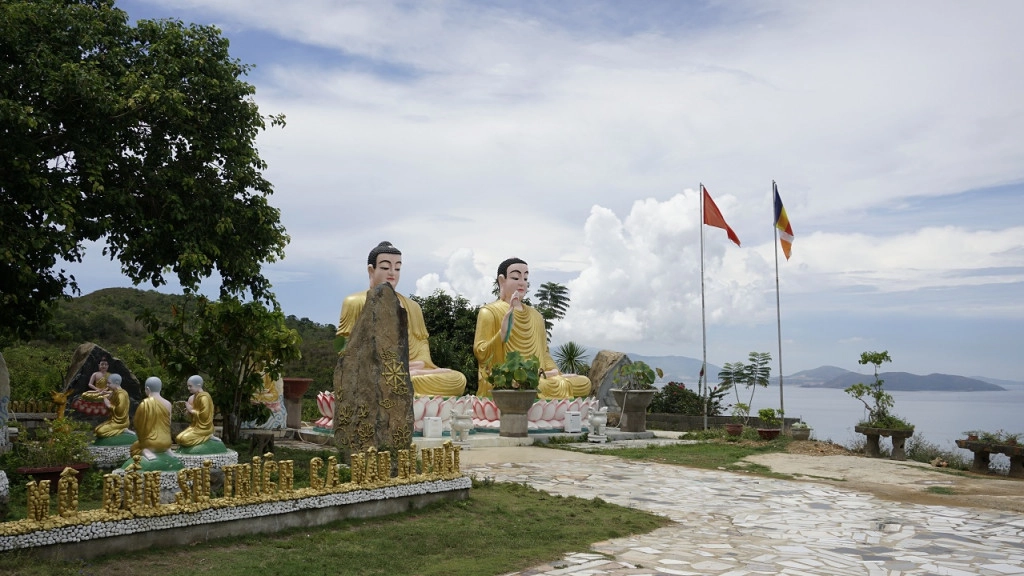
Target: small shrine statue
(98,383)
(153,428)
(507,325)
(117,403)
(384,264)
(198,437)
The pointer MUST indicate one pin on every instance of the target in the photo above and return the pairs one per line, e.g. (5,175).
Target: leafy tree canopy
(140,135)
(451,323)
(233,343)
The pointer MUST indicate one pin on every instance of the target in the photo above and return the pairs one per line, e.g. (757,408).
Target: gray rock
(372,387)
(602,375)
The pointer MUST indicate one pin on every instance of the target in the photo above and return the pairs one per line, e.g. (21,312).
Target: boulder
(86,361)
(602,375)
(372,387)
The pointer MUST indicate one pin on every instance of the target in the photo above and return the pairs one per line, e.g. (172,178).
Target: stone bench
(982,450)
(899,439)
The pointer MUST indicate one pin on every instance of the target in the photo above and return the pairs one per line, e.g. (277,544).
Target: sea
(939,418)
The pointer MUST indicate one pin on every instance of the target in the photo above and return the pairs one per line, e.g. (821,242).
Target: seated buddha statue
(508,325)
(152,422)
(384,264)
(98,383)
(117,403)
(199,408)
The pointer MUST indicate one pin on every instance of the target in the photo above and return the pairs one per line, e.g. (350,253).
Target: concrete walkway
(735,525)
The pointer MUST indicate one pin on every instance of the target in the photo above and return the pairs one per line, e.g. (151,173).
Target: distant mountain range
(686,370)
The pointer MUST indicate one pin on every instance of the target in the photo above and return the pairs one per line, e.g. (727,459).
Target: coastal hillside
(911,382)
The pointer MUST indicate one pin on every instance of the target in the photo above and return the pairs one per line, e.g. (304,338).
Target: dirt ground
(913,482)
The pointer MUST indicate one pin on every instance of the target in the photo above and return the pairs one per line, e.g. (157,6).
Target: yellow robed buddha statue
(384,264)
(118,403)
(98,383)
(200,414)
(507,325)
(152,421)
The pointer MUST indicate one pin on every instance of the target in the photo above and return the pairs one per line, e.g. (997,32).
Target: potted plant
(61,444)
(740,414)
(515,384)
(771,423)
(635,391)
(800,431)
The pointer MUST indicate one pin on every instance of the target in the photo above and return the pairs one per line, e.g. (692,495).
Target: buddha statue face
(516,279)
(104,365)
(388,269)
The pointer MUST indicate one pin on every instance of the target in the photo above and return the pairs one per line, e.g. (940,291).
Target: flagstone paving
(732,524)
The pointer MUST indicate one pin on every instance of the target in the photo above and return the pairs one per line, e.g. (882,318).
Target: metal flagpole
(778,308)
(703,327)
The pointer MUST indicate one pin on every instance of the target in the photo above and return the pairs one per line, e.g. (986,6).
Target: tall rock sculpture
(372,388)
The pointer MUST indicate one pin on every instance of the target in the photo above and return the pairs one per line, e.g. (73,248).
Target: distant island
(686,370)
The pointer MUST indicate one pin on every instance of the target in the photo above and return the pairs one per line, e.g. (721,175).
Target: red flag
(713,216)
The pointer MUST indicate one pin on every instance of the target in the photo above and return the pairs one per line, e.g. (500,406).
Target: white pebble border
(97,530)
(216,460)
(115,456)
(109,456)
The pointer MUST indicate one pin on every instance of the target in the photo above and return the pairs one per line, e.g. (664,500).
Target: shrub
(676,398)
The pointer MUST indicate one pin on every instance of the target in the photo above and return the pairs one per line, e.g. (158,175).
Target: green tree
(552,303)
(571,358)
(232,343)
(750,376)
(142,136)
(451,323)
(880,414)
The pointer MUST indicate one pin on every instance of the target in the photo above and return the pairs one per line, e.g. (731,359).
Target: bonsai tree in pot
(878,414)
(515,384)
(879,421)
(634,394)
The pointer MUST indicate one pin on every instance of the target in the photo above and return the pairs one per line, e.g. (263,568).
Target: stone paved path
(736,525)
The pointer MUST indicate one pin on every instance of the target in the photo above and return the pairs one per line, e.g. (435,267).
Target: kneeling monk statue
(152,421)
(198,437)
(384,264)
(118,403)
(508,325)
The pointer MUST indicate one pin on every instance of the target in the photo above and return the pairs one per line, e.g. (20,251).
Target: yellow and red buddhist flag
(782,223)
(713,216)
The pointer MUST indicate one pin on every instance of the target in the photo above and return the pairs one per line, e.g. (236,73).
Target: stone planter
(768,433)
(899,440)
(52,473)
(634,405)
(734,429)
(513,406)
(801,433)
(294,388)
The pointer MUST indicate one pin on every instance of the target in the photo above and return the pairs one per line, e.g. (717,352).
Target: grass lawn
(499,529)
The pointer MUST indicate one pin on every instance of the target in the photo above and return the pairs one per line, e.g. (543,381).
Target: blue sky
(575,135)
